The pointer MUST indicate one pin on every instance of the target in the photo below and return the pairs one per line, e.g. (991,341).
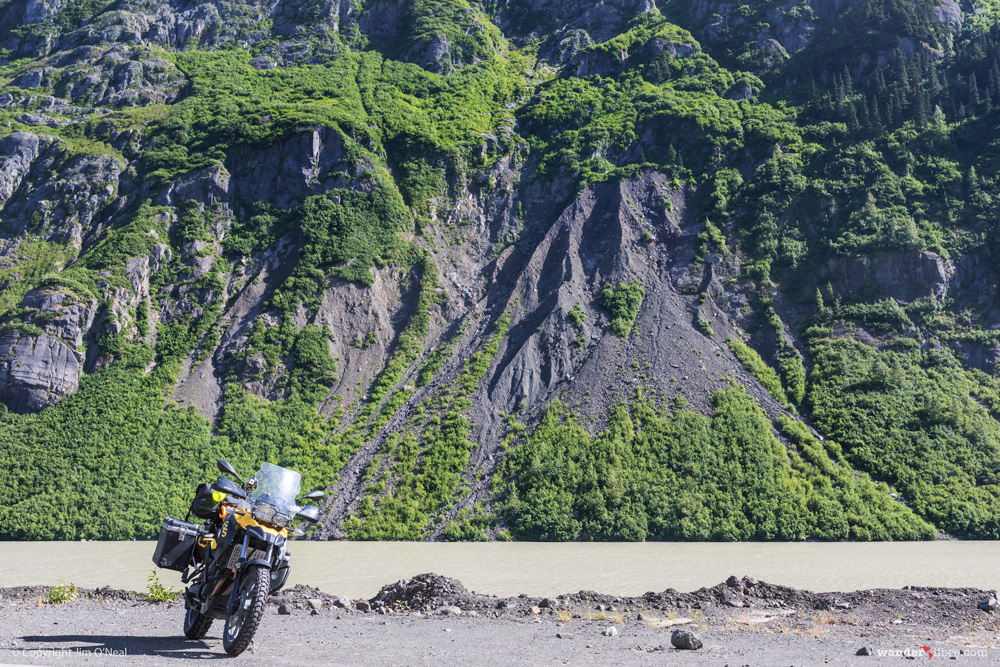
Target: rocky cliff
(383,242)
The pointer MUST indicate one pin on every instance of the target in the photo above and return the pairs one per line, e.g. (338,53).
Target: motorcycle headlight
(271,514)
(264,512)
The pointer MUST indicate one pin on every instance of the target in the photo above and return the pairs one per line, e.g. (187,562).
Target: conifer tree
(847,83)
(874,119)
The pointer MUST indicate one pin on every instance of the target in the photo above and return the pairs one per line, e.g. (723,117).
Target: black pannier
(177,540)
(204,506)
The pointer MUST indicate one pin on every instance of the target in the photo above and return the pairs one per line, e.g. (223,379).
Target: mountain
(511,269)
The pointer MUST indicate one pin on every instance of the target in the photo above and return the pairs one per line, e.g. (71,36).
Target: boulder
(685,640)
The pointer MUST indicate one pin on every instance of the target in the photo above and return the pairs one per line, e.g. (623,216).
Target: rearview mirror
(226,467)
(314,495)
(310,513)
(228,487)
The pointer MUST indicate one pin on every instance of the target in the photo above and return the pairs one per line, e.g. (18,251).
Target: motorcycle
(239,556)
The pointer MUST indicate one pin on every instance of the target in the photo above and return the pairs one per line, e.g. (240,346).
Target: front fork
(234,595)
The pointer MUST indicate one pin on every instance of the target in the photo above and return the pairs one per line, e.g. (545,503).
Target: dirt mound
(423,591)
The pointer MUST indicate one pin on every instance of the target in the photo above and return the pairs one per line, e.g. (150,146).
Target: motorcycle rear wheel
(252,598)
(196,624)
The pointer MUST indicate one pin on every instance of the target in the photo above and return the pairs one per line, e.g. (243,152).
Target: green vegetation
(427,471)
(759,369)
(622,303)
(61,594)
(875,142)
(157,592)
(917,421)
(133,462)
(654,476)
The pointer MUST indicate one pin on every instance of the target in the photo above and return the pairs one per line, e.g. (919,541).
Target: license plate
(252,554)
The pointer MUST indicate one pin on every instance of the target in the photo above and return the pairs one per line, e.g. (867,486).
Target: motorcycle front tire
(196,624)
(252,598)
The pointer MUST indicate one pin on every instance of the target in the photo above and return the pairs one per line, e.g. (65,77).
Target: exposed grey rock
(611,632)
(111,76)
(209,187)
(292,169)
(904,276)
(262,62)
(38,119)
(17,152)
(362,605)
(66,315)
(315,603)
(564,635)
(448,611)
(38,10)
(988,604)
(864,650)
(284,609)
(342,603)
(36,371)
(685,640)
(950,13)
(31,200)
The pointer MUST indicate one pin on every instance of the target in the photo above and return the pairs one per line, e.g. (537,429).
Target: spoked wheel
(196,624)
(251,599)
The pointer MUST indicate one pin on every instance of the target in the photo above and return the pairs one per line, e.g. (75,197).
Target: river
(358,569)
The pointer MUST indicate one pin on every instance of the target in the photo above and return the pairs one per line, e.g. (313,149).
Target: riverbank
(434,620)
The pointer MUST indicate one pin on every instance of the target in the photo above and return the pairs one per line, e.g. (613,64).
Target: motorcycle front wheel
(251,600)
(196,624)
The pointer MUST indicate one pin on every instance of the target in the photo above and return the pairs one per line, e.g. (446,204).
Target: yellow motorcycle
(239,555)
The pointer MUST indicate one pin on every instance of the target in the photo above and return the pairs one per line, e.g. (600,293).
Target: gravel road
(120,629)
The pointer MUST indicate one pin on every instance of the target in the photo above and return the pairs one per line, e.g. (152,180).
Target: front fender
(259,534)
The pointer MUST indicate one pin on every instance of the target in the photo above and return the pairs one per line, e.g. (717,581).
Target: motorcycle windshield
(278,482)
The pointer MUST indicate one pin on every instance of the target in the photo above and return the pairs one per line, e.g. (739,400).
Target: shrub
(622,303)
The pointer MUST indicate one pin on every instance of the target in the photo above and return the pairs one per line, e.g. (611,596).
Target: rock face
(17,152)
(901,276)
(114,77)
(36,371)
(56,209)
(39,369)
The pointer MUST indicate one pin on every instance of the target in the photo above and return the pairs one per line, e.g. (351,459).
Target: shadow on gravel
(161,647)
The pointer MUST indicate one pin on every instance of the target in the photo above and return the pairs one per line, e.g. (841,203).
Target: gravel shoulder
(431,620)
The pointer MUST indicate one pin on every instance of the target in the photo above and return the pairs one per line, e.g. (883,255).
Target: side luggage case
(177,541)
